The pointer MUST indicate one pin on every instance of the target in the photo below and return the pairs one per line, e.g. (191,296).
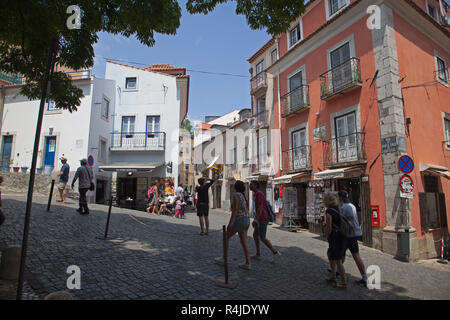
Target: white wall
(156,95)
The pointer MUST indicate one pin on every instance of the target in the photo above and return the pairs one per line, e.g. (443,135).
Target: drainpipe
(279,118)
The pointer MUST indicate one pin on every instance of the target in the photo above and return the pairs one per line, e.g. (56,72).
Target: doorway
(49,157)
(6,152)
(100,191)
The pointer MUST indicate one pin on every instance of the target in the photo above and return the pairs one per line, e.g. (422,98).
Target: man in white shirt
(352,242)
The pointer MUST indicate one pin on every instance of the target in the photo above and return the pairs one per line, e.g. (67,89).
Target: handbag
(92,187)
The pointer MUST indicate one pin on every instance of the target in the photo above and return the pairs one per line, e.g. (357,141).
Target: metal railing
(262,118)
(295,101)
(345,149)
(258,81)
(261,165)
(11,78)
(340,78)
(138,141)
(297,159)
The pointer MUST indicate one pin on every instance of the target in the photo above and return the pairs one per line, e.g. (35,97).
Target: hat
(63,158)
(343,194)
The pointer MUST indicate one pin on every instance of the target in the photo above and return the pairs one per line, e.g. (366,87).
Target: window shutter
(423,211)
(442,210)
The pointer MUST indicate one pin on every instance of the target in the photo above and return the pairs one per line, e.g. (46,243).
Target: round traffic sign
(91,160)
(406,184)
(406,164)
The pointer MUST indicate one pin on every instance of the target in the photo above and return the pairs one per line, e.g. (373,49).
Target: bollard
(225,284)
(442,260)
(109,216)
(51,195)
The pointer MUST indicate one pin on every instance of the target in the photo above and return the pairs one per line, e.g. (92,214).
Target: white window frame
(302,69)
(351,42)
(53,110)
(272,60)
(328,8)
(102,115)
(153,123)
(100,157)
(121,125)
(436,56)
(132,89)
(436,8)
(288,34)
(446,117)
(256,67)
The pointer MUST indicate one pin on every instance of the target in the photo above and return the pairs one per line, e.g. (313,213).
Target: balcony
(79,74)
(297,159)
(11,78)
(149,141)
(261,165)
(345,150)
(258,82)
(295,101)
(262,119)
(341,79)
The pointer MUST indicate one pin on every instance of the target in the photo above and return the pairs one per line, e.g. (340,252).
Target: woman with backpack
(153,197)
(337,242)
(239,222)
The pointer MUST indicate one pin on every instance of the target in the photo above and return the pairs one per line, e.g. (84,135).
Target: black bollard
(109,216)
(51,195)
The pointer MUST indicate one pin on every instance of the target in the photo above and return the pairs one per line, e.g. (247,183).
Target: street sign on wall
(406,187)
(406,164)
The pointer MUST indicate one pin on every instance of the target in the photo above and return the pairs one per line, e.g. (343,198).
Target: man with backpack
(349,210)
(260,222)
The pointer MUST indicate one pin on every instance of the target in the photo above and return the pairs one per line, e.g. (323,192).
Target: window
(335,6)
(346,138)
(260,105)
(447,131)
(128,125)
(294,36)
(441,71)
(433,12)
(153,124)
(274,56)
(298,157)
(51,106)
(105,108)
(102,150)
(260,67)
(131,83)
(433,213)
(341,68)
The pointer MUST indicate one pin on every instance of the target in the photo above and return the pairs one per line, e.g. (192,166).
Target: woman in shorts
(239,222)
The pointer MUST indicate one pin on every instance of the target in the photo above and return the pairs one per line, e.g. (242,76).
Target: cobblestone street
(158,257)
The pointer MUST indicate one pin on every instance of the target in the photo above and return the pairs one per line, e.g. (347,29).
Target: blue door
(50,150)
(6,152)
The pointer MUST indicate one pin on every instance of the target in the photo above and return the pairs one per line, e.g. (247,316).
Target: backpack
(271,214)
(347,228)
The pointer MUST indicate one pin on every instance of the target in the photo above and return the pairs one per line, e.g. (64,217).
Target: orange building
(354,87)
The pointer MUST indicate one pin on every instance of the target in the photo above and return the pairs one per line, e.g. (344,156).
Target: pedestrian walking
(336,241)
(239,222)
(179,192)
(352,242)
(178,205)
(153,196)
(203,204)
(63,179)
(260,222)
(84,175)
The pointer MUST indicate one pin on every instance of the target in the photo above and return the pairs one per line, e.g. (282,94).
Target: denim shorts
(260,229)
(241,224)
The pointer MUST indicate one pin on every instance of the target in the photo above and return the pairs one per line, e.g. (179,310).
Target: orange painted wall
(316,64)
(424,106)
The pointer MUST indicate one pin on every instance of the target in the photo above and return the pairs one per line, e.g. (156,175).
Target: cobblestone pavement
(158,257)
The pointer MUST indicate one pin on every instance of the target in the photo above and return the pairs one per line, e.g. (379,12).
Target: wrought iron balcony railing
(261,165)
(344,150)
(340,79)
(138,141)
(297,159)
(262,119)
(295,101)
(259,81)
(11,78)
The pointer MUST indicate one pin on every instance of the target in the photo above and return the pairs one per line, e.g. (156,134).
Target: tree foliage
(28,26)
(273,15)
(187,125)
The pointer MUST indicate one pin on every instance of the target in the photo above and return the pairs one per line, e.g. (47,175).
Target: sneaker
(80,211)
(275,257)
(220,261)
(244,266)
(255,257)
(361,282)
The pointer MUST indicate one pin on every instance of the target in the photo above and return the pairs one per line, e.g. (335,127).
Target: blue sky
(218,42)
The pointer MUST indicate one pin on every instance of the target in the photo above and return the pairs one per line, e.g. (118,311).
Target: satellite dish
(211,165)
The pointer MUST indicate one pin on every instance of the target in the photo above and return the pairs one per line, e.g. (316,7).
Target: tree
(28,27)
(273,15)
(187,125)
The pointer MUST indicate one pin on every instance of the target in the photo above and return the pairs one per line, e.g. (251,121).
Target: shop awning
(334,174)
(289,178)
(130,167)
(435,170)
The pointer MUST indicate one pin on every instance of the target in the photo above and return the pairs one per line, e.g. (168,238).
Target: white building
(151,104)
(76,135)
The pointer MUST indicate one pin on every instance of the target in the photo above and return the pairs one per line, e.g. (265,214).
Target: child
(178,207)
